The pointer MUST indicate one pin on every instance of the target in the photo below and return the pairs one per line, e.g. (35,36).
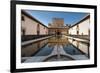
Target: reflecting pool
(56,48)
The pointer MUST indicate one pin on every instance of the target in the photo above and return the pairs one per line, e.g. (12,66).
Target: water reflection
(70,49)
(45,51)
(31,49)
(45,47)
(83,47)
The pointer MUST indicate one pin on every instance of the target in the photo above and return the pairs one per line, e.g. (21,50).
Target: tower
(57,22)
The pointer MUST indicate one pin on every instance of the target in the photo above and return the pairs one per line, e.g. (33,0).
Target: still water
(45,48)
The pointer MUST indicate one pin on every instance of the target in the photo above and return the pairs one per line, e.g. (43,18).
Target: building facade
(57,22)
(31,26)
(81,28)
(57,27)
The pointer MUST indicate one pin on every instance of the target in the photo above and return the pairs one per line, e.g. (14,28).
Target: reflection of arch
(61,57)
(77,44)
(38,44)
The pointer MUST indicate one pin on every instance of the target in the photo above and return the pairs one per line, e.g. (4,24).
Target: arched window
(23,19)
(38,29)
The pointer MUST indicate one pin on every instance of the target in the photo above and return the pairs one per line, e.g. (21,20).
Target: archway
(58,32)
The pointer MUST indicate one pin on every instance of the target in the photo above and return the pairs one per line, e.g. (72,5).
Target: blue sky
(45,17)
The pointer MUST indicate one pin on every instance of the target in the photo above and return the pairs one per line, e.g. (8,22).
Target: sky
(45,17)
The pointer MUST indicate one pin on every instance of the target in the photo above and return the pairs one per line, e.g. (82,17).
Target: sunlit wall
(81,28)
(30,26)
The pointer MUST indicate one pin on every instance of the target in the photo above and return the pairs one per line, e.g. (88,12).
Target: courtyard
(56,41)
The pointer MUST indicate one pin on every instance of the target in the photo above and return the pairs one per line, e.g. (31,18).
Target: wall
(43,30)
(82,27)
(31,26)
(72,31)
(63,31)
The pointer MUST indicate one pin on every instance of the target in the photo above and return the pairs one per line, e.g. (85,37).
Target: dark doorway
(58,33)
